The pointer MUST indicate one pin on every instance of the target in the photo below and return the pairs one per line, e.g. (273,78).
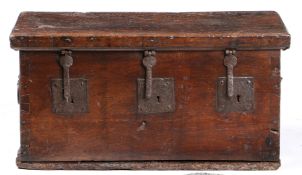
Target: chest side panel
(114,130)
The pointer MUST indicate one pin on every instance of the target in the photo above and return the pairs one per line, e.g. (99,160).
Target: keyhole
(158,99)
(238,98)
(71,101)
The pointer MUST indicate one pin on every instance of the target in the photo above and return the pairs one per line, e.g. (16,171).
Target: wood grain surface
(207,31)
(113,130)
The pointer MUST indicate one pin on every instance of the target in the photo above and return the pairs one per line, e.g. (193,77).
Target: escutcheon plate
(78,102)
(162,98)
(243,98)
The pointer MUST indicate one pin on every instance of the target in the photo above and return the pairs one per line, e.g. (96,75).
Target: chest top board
(213,30)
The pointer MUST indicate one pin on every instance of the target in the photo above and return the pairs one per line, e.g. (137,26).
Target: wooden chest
(149,90)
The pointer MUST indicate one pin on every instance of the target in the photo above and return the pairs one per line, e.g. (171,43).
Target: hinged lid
(123,31)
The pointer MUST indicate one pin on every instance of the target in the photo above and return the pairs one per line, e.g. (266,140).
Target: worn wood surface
(114,131)
(207,31)
(107,49)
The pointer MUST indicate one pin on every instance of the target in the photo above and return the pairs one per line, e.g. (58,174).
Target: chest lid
(166,31)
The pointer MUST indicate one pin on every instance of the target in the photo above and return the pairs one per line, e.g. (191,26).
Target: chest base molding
(149,165)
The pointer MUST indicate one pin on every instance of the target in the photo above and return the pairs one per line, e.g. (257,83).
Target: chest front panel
(111,126)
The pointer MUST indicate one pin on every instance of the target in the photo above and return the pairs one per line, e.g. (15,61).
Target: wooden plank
(208,30)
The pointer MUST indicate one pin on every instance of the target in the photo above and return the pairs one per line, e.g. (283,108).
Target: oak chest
(149,90)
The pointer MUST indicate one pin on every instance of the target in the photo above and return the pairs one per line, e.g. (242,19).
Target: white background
(291,105)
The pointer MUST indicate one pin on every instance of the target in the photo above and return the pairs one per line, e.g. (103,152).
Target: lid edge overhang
(216,42)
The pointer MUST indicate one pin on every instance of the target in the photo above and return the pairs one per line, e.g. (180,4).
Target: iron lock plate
(243,98)
(162,99)
(78,94)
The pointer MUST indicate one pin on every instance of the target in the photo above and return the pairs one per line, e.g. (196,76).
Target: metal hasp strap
(230,62)
(66,61)
(149,61)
